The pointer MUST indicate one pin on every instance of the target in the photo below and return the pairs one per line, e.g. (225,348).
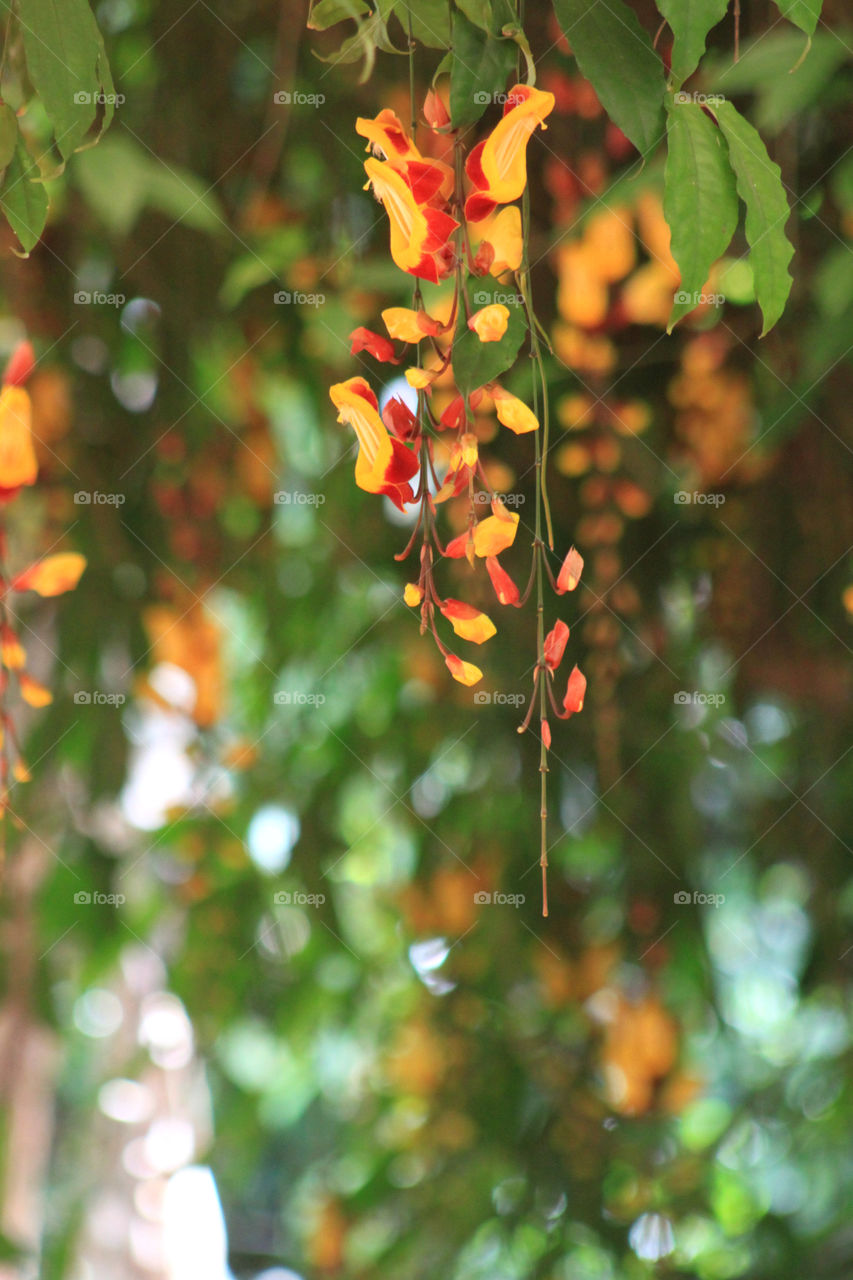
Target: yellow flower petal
(465,672)
(413,594)
(489,323)
(494,534)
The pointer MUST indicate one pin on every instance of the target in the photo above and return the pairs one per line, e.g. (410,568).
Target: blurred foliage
(406,1081)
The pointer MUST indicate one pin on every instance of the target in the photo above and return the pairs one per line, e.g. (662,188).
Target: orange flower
(505,589)
(464,672)
(468,622)
(384,464)
(387,139)
(489,323)
(555,645)
(570,572)
(380,348)
(497,167)
(419,232)
(576,692)
(498,242)
(33,692)
(494,534)
(21,364)
(18,465)
(512,412)
(12,652)
(407,325)
(53,575)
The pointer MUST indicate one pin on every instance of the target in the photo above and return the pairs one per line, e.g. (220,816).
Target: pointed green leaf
(478,71)
(803,13)
(690,21)
(67,64)
(23,197)
(430,21)
(326,13)
(759,185)
(700,200)
(8,135)
(615,54)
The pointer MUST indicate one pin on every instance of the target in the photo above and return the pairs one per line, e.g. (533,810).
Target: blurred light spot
(98,1013)
(766,722)
(109,1220)
(139,314)
(277,1273)
(651,1237)
(194,1239)
(429,955)
(90,353)
(166,1031)
(134,391)
(272,834)
(285,935)
(146,1246)
(400,388)
(126,1101)
(169,1143)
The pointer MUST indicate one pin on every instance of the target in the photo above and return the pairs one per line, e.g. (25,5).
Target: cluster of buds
(456,220)
(50,576)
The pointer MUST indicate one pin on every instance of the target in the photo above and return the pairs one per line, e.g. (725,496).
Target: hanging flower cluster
(50,576)
(459,223)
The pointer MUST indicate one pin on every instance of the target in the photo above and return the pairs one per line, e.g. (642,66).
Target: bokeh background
(384,1077)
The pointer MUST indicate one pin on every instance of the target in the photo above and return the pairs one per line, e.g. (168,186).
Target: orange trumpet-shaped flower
(555,645)
(464,672)
(419,232)
(498,242)
(407,325)
(576,692)
(570,572)
(489,323)
(468,622)
(12,653)
(18,465)
(505,589)
(33,692)
(497,167)
(53,575)
(387,139)
(384,464)
(512,412)
(491,536)
(380,348)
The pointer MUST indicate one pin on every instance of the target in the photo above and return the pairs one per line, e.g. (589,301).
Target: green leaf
(700,200)
(759,185)
(616,56)
(430,21)
(68,68)
(8,135)
(478,71)
(690,21)
(765,68)
(326,13)
(23,197)
(474,362)
(477,11)
(803,13)
(120,178)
